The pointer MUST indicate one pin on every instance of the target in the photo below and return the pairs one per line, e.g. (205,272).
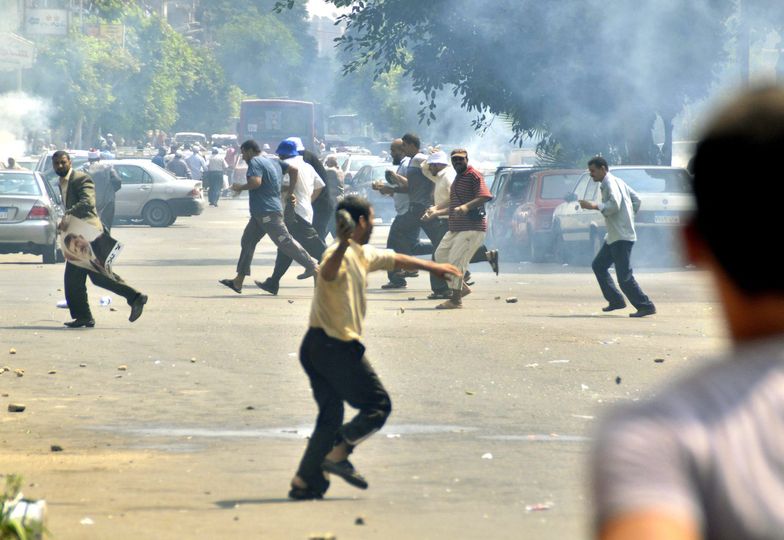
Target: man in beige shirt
(333,356)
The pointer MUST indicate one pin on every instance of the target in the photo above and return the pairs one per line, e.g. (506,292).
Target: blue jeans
(618,253)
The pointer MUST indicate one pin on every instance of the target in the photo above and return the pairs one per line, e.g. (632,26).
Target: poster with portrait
(87,246)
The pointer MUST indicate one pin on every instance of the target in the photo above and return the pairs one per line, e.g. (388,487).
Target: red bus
(272,120)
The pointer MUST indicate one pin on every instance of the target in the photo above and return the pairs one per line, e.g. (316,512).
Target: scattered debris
(538,507)
(52,372)
(193,360)
(322,536)
(583,416)
(122,368)
(584,387)
(56,448)
(16,407)
(470,393)
(532,365)
(558,362)
(105,301)
(12,351)
(86,521)
(659,360)
(82,365)
(19,372)
(410,299)
(511,300)
(497,297)
(4,369)
(250,408)
(402,310)
(618,380)
(487,456)
(359,521)
(112,309)
(291,301)
(393,435)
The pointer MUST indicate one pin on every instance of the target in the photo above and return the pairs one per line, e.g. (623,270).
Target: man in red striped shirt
(467,224)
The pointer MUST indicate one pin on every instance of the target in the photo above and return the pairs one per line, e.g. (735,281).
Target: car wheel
(49,253)
(157,214)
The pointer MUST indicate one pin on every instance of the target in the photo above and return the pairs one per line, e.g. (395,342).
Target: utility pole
(743,45)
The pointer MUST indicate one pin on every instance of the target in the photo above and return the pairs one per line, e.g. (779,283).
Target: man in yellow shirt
(333,356)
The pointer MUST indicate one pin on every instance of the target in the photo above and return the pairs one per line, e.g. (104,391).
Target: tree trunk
(666,152)
(77,136)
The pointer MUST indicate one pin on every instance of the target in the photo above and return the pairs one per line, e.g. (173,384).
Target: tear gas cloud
(21,116)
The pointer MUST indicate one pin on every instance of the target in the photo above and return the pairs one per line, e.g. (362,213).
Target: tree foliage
(587,76)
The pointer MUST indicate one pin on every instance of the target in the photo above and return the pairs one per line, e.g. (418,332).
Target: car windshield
(18,184)
(655,180)
(556,186)
(359,162)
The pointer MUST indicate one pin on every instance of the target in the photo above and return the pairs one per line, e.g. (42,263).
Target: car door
(135,192)
(588,219)
(568,216)
(522,208)
(492,207)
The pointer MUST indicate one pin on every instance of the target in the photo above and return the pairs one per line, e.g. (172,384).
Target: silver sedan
(153,194)
(29,212)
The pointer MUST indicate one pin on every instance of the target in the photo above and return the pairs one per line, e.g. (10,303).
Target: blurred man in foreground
(705,458)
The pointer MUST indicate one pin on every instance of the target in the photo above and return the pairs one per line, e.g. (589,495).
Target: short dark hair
(251,145)
(67,240)
(60,153)
(598,161)
(410,138)
(356,206)
(739,233)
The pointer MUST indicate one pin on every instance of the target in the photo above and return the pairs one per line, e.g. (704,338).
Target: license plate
(669,220)
(4,213)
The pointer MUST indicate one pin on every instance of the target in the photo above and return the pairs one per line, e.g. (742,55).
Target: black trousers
(306,235)
(324,215)
(338,372)
(76,289)
(618,253)
(106,215)
(404,234)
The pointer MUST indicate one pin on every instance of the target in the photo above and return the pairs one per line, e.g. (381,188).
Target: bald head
(397,151)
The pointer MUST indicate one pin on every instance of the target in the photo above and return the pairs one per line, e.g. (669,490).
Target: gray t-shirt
(710,449)
(420,189)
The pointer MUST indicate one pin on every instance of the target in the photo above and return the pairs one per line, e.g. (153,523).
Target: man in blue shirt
(264,178)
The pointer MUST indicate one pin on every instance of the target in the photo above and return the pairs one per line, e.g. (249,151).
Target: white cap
(298,142)
(438,158)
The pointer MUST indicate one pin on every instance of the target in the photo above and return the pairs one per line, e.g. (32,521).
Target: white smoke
(22,117)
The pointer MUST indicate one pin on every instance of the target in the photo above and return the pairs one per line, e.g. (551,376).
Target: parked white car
(667,202)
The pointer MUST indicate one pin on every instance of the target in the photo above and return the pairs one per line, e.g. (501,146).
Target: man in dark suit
(78,192)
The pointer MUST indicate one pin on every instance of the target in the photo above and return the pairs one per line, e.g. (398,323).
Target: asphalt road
(494,405)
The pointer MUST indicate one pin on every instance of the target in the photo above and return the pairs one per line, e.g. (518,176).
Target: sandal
(304,494)
(230,284)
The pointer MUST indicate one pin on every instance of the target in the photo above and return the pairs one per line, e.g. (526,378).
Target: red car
(520,215)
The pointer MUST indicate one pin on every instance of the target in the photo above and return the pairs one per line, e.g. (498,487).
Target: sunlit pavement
(494,406)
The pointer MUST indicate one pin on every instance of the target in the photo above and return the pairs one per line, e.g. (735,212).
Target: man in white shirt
(196,163)
(618,206)
(216,167)
(299,219)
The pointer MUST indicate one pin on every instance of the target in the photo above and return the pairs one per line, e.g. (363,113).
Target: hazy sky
(322,8)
